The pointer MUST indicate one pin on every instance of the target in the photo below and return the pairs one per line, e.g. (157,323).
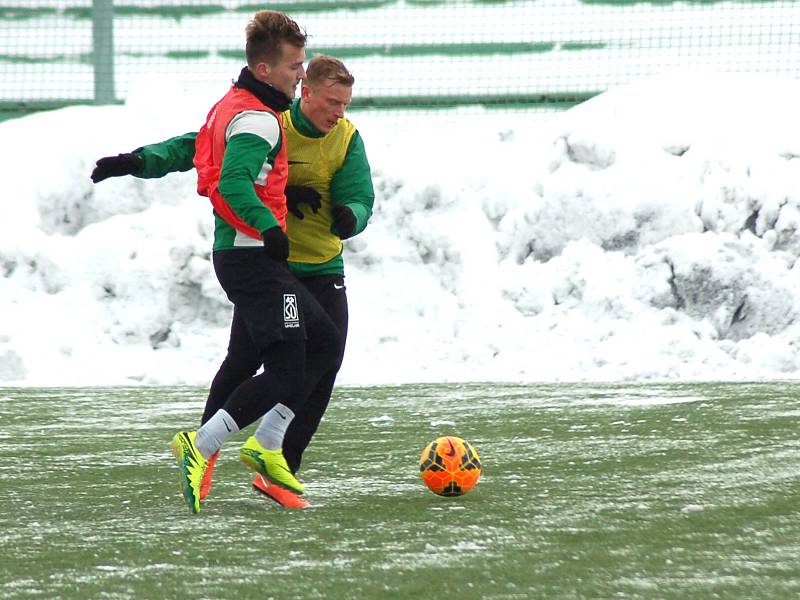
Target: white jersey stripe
(258,122)
(261,123)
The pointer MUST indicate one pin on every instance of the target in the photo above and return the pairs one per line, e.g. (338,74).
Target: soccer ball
(450,466)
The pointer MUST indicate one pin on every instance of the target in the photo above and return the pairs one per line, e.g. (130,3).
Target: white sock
(273,427)
(214,432)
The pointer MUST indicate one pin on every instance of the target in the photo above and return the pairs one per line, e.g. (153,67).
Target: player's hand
(300,194)
(276,244)
(117,166)
(344,221)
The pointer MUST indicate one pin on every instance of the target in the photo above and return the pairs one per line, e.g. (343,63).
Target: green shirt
(350,185)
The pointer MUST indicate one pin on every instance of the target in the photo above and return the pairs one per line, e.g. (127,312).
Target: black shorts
(269,298)
(330,292)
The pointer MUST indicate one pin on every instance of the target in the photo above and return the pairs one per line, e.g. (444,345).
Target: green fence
(412,54)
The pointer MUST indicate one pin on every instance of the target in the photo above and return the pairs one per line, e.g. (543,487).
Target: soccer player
(330,198)
(240,157)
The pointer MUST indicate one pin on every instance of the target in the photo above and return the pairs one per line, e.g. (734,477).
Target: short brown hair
(266,31)
(323,68)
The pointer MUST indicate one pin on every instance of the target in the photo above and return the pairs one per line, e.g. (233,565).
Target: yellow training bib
(313,161)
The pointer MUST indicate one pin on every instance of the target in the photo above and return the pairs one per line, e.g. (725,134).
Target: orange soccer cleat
(286,498)
(205,483)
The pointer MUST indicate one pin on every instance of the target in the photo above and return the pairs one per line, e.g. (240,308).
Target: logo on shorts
(291,316)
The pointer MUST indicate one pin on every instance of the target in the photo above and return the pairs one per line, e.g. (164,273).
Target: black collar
(276,100)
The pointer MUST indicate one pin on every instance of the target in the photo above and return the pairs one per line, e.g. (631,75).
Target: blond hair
(322,69)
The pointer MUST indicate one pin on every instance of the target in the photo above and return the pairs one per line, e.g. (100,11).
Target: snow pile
(650,233)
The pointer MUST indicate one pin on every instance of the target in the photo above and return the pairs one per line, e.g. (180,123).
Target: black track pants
(277,323)
(330,292)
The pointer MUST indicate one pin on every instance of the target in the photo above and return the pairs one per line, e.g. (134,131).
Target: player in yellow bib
(329,197)
(314,162)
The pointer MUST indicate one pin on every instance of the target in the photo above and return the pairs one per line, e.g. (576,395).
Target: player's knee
(325,341)
(287,360)
(239,367)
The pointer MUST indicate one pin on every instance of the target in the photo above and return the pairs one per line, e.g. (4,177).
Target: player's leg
(260,288)
(329,291)
(268,298)
(324,344)
(323,357)
(241,362)
(322,350)
(285,367)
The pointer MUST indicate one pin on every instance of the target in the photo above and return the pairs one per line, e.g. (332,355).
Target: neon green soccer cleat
(191,464)
(270,463)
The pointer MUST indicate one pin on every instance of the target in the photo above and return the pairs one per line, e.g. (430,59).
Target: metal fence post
(103,41)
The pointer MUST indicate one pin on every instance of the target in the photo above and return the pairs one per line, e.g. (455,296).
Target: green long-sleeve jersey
(350,184)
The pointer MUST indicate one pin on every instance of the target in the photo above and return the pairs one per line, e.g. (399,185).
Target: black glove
(343,220)
(276,244)
(116,166)
(300,194)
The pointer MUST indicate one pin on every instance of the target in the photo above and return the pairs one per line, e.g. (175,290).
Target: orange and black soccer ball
(450,466)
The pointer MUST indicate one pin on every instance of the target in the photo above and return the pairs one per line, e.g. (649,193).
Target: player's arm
(149,162)
(351,187)
(169,156)
(253,141)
